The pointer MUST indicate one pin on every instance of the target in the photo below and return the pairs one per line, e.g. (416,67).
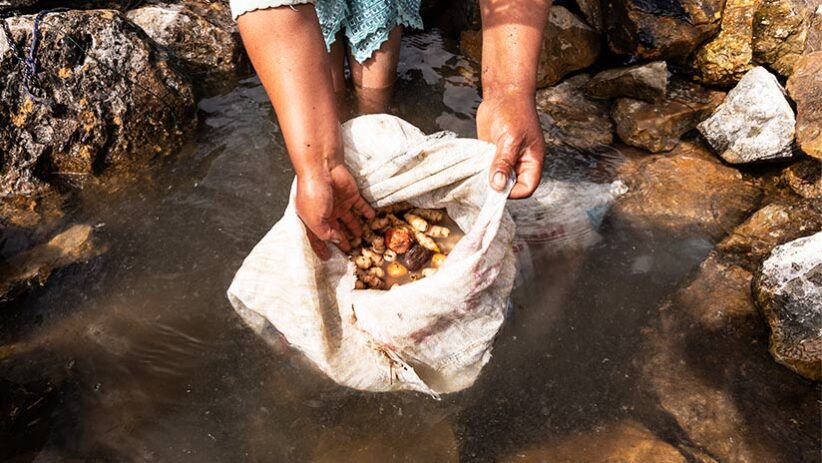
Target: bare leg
(337,58)
(374,79)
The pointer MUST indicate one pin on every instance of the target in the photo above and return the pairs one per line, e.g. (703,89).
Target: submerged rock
(774,224)
(804,178)
(569,117)
(623,442)
(33,267)
(684,192)
(671,29)
(754,123)
(706,362)
(568,45)
(107,99)
(657,127)
(788,289)
(647,82)
(727,57)
(201,35)
(805,88)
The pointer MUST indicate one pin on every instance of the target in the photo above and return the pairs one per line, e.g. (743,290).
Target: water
(139,356)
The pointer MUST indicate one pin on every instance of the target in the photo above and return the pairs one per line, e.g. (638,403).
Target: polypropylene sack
(433,335)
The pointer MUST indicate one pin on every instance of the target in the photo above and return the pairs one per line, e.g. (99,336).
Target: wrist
(508,92)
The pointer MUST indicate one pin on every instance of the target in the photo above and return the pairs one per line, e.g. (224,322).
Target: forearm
(511,41)
(288,52)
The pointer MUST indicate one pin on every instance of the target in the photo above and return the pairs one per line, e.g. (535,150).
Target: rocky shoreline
(715,106)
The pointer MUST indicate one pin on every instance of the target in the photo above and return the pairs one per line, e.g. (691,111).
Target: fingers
(318,246)
(351,223)
(361,205)
(329,230)
(529,172)
(504,161)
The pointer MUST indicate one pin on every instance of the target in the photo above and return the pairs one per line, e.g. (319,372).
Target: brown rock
(804,178)
(708,365)
(661,30)
(726,58)
(780,29)
(657,127)
(593,12)
(623,442)
(647,82)
(813,42)
(569,117)
(684,192)
(774,224)
(36,265)
(805,88)
(568,45)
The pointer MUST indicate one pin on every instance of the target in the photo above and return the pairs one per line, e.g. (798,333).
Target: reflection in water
(150,363)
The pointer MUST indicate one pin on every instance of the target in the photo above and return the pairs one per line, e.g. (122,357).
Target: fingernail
(499,180)
(335,240)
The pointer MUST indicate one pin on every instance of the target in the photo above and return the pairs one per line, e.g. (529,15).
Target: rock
(813,42)
(593,12)
(788,290)
(647,82)
(661,30)
(657,127)
(727,57)
(773,225)
(754,123)
(75,244)
(805,88)
(111,102)
(568,45)
(804,178)
(624,442)
(569,117)
(780,30)
(684,192)
(706,362)
(201,35)
(15,4)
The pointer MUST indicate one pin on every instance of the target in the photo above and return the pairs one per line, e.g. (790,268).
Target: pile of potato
(401,244)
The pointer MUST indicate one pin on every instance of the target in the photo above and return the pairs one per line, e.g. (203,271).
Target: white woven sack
(433,335)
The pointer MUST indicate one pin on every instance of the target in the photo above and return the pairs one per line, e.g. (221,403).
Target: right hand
(326,201)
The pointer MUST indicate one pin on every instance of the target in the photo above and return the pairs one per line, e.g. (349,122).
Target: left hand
(510,121)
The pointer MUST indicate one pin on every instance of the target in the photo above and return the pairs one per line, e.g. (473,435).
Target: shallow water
(148,361)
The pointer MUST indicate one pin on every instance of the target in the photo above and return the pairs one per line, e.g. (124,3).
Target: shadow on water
(138,356)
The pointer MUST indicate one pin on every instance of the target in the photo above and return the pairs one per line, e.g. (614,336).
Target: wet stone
(568,45)
(657,127)
(571,118)
(110,101)
(684,192)
(788,290)
(76,244)
(202,37)
(661,30)
(780,30)
(754,123)
(804,178)
(727,57)
(593,12)
(805,88)
(647,82)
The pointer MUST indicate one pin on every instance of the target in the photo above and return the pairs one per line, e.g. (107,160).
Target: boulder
(813,42)
(706,362)
(754,123)
(626,441)
(685,192)
(658,126)
(568,45)
(770,226)
(780,30)
(661,30)
(804,178)
(648,82)
(593,12)
(107,99)
(788,290)
(569,117)
(805,88)
(727,57)
(201,35)
(33,267)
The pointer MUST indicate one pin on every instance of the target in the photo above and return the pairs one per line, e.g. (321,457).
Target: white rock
(754,123)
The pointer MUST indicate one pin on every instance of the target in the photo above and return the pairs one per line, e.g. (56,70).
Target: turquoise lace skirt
(366,23)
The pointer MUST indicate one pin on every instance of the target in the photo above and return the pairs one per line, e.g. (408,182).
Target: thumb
(504,161)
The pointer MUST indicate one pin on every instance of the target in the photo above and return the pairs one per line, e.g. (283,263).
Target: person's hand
(327,201)
(510,121)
